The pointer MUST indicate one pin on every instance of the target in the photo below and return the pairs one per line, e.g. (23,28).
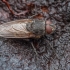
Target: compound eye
(48,29)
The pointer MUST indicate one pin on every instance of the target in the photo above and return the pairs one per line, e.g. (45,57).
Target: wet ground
(53,50)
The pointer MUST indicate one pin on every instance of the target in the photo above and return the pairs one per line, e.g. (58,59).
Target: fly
(26,28)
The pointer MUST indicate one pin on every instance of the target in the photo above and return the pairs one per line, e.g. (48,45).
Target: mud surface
(53,50)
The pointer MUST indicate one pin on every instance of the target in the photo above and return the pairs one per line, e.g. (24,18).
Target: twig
(8,6)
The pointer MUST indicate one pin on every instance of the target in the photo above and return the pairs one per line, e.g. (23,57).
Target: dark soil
(53,50)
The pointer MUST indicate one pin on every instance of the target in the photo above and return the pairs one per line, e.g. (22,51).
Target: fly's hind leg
(34,49)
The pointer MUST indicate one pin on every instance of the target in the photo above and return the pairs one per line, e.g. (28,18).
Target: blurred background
(53,50)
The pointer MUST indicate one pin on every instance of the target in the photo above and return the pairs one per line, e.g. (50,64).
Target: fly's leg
(34,48)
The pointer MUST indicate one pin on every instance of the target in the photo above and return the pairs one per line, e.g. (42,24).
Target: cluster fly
(26,28)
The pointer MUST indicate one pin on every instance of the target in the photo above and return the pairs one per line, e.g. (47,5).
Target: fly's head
(49,27)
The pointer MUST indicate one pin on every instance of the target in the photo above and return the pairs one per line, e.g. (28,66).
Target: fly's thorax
(37,27)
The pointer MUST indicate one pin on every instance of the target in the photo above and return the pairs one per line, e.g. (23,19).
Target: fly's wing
(16,29)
